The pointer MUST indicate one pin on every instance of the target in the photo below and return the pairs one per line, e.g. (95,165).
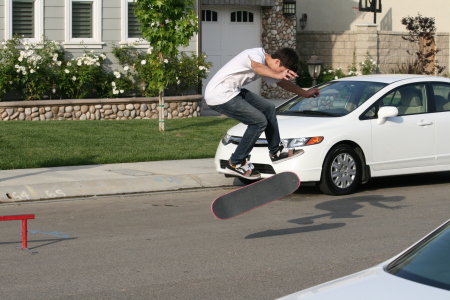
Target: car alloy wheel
(341,172)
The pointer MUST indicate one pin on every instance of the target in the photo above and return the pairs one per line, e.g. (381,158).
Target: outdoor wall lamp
(314,67)
(289,7)
(303,20)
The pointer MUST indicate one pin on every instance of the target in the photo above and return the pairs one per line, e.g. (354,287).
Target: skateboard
(255,195)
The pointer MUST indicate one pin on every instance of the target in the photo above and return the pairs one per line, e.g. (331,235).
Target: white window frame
(38,21)
(138,43)
(91,43)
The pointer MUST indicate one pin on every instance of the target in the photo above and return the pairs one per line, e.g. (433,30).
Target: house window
(24,18)
(130,27)
(242,16)
(209,15)
(83,24)
(82,19)
(133,24)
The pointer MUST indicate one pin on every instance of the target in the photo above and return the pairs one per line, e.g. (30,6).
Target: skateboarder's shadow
(340,208)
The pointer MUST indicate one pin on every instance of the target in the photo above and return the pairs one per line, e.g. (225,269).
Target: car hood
(293,126)
(371,284)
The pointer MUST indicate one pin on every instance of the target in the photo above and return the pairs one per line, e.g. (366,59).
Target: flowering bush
(30,68)
(181,72)
(368,66)
(78,76)
(190,71)
(37,69)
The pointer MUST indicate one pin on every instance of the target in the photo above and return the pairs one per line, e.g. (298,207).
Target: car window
(428,262)
(409,100)
(441,96)
(337,98)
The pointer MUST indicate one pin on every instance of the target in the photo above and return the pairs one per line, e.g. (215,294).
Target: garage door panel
(225,39)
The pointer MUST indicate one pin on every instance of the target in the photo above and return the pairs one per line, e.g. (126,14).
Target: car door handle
(425,123)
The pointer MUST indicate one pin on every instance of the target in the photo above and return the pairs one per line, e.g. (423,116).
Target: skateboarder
(226,95)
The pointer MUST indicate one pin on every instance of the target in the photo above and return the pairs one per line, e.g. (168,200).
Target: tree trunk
(427,45)
(161,111)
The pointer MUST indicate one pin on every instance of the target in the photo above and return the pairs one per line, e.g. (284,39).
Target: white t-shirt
(235,74)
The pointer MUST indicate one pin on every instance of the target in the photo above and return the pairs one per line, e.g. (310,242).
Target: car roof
(390,78)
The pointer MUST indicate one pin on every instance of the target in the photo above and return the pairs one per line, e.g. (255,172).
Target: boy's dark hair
(288,58)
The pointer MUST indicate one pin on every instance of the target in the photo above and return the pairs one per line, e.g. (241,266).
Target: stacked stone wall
(100,109)
(278,31)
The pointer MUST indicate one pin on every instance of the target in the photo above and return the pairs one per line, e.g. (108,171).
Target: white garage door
(228,30)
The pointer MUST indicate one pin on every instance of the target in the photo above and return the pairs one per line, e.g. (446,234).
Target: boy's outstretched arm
(293,88)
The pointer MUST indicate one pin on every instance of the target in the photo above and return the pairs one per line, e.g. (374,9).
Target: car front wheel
(341,171)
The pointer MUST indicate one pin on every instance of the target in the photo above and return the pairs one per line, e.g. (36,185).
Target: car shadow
(338,208)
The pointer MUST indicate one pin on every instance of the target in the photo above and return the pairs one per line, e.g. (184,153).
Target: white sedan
(360,127)
(420,272)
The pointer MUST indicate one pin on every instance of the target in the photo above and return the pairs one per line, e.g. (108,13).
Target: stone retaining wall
(101,109)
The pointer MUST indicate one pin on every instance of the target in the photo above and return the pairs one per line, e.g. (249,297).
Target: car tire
(341,172)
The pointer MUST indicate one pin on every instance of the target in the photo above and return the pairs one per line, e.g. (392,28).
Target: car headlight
(299,142)
(226,139)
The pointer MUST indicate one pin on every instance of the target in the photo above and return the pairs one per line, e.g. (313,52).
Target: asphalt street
(167,245)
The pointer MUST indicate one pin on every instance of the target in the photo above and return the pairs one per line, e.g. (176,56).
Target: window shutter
(133,24)
(23,19)
(82,19)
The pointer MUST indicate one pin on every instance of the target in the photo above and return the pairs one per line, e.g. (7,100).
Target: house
(333,30)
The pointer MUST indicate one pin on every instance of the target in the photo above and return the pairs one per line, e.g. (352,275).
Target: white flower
(126,68)
(67,71)
(24,72)
(59,63)
(69,64)
(117,74)
(79,63)
(74,78)
(121,91)
(31,71)
(149,50)
(20,58)
(202,68)
(335,77)
(166,60)
(143,62)
(113,83)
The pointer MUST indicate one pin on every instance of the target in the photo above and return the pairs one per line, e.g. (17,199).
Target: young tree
(422,30)
(166,25)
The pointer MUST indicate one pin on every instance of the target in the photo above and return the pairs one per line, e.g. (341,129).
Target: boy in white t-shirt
(224,94)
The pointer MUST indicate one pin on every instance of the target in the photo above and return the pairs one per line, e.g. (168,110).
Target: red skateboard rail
(24,219)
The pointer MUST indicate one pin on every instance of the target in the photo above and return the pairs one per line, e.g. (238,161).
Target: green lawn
(26,144)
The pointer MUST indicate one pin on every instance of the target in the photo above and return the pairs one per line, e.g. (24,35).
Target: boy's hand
(287,75)
(312,93)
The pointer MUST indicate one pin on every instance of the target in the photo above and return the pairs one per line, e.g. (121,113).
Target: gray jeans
(259,115)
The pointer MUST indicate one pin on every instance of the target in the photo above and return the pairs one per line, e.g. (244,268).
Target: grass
(25,144)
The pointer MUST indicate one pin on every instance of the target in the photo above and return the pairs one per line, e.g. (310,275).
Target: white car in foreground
(359,127)
(421,272)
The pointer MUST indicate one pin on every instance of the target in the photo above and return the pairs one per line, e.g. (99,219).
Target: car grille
(262,168)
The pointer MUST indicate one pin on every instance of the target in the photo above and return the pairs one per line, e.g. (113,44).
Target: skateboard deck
(255,195)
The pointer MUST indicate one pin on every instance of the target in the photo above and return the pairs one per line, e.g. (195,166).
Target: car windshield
(337,98)
(428,262)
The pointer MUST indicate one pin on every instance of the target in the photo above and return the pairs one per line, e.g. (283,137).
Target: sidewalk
(112,179)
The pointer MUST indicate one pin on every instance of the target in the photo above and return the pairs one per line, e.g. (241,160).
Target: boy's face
(275,66)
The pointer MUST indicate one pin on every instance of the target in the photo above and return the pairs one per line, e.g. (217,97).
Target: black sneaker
(245,170)
(285,154)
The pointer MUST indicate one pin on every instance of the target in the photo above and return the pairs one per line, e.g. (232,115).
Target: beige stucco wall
(334,23)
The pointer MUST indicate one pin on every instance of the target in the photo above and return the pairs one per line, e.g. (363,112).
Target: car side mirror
(386,112)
